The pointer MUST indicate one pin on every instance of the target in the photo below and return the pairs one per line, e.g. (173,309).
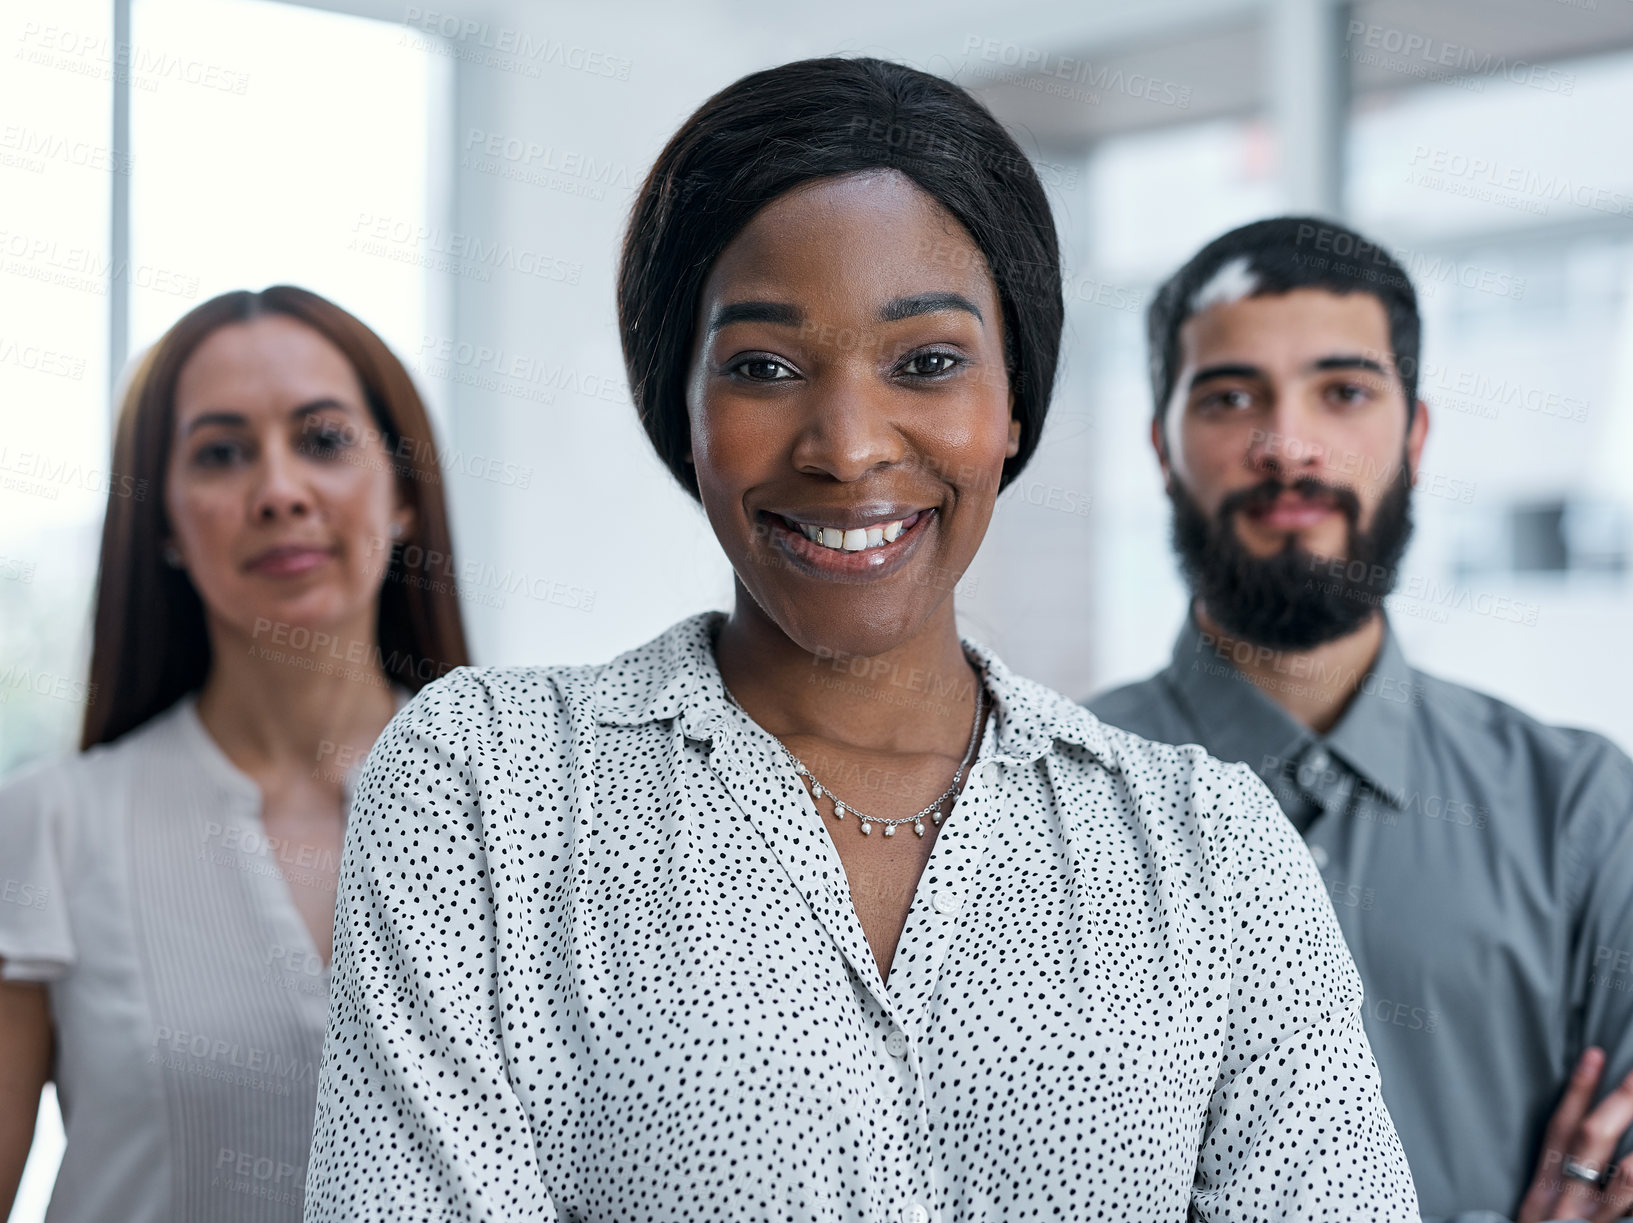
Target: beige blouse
(188,998)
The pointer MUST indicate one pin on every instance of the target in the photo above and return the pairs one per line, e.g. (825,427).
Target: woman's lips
(857,538)
(872,562)
(289,562)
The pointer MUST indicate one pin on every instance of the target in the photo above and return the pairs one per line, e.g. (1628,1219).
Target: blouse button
(896,1044)
(988,773)
(914,1212)
(1320,855)
(947,902)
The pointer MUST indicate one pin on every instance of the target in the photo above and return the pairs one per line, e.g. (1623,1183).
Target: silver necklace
(841,808)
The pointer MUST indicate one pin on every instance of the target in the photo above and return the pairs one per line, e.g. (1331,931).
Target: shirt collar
(674,676)
(1374,737)
(1237,721)
(1241,723)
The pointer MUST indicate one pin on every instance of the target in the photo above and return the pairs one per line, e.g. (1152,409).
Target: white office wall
(590,548)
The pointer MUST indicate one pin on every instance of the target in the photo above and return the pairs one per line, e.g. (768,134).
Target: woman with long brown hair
(256,626)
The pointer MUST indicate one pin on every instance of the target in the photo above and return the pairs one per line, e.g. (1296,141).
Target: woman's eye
(762,369)
(931,364)
(323,442)
(216,454)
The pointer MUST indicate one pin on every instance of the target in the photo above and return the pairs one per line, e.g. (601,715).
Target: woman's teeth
(857,540)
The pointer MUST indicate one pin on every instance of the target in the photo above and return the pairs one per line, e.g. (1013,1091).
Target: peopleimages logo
(1434,53)
(34,358)
(494,368)
(1533,186)
(536,155)
(90,271)
(406,241)
(511,47)
(100,56)
(1037,62)
(1323,246)
(51,472)
(38,147)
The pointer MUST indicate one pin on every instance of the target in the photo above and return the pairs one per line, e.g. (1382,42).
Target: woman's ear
(402,522)
(1014,447)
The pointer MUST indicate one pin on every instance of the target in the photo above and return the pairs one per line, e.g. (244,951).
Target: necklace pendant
(816,788)
(918,827)
(866,830)
(890,830)
(839,811)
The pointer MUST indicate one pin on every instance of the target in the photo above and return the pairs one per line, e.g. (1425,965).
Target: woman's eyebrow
(756,312)
(231,420)
(926,303)
(317,405)
(893,311)
(236,420)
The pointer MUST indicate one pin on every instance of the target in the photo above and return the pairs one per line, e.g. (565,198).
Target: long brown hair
(150,646)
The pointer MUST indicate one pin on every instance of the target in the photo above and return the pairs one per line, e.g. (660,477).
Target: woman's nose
(847,433)
(279,489)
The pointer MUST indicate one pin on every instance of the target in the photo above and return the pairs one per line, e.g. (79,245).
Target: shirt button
(1314,769)
(896,1044)
(1319,853)
(948,902)
(988,773)
(914,1212)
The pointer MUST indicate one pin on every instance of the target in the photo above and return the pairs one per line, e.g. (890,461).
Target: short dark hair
(821,118)
(1283,254)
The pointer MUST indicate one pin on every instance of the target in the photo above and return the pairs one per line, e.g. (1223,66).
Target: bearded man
(1480,863)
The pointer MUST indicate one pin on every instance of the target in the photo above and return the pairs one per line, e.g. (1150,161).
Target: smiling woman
(622,941)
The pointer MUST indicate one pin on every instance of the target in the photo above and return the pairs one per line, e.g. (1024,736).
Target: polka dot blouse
(596,959)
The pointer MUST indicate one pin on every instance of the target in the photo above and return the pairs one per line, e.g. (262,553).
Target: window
(288,146)
(56,171)
(1498,197)
(266,140)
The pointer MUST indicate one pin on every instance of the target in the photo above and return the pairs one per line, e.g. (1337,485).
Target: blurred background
(459,176)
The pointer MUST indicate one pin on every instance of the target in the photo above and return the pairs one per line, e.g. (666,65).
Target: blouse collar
(201,747)
(674,676)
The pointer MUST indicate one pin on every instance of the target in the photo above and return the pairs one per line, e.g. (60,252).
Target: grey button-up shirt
(1481,866)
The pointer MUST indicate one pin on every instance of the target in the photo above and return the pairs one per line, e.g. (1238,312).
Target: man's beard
(1293,600)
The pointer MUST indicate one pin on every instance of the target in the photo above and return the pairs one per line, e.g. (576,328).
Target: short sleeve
(1297,1127)
(36,939)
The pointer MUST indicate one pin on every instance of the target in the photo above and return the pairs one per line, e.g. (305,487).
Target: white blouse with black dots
(596,959)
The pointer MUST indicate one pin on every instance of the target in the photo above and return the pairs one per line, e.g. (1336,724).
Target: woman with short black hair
(815,910)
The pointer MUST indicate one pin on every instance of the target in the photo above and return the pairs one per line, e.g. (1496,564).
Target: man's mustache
(1263,495)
